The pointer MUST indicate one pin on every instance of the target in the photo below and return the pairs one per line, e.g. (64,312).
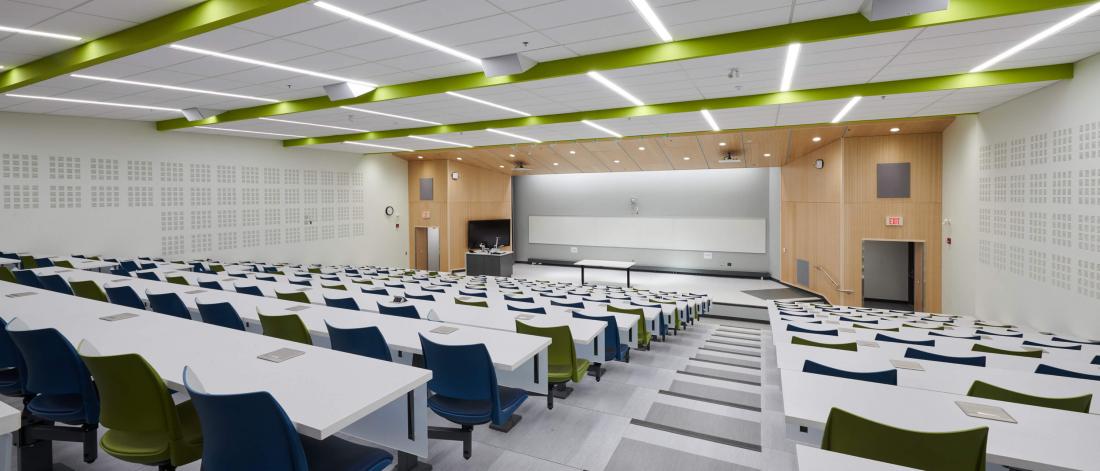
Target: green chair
(675,314)
(89,290)
(363,282)
(472,303)
(989,391)
(7,275)
(286,327)
(27,262)
(296,296)
(915,326)
(850,434)
(339,287)
(64,264)
(562,365)
(643,330)
(314,270)
(144,425)
(215,268)
(177,280)
(978,347)
(850,346)
(857,325)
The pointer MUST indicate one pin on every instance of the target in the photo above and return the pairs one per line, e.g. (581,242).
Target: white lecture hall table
(612,264)
(9,262)
(324,392)
(816,459)
(10,421)
(520,360)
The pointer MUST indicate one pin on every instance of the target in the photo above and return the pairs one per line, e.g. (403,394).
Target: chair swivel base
(561,391)
(34,442)
(410,462)
(507,427)
(596,370)
(465,434)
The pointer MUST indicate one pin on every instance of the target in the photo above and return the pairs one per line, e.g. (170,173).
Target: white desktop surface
(604,264)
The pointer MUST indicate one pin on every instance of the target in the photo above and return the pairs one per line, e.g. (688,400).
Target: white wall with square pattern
(118,188)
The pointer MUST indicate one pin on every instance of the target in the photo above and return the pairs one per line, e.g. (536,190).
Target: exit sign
(893,220)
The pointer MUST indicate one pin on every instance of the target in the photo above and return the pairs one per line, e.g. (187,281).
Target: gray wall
(726,193)
(886,270)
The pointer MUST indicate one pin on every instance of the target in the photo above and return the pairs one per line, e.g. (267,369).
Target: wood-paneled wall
(828,213)
(477,194)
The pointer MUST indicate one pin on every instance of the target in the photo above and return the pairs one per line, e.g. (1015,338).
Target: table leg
(582,274)
(627,277)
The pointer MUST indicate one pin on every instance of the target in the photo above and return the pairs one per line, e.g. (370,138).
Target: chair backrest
(148,275)
(979,347)
(406,310)
(989,391)
(27,262)
(519,299)
(342,303)
(88,289)
(885,377)
(536,309)
(221,314)
(471,303)
(923,355)
(51,366)
(304,282)
(371,290)
(296,296)
(803,330)
(244,431)
(178,280)
(610,332)
(364,341)
(216,268)
(10,358)
(422,297)
(850,346)
(562,351)
(576,305)
(133,397)
(56,283)
(210,284)
(286,327)
(27,278)
(168,303)
(923,343)
(1044,345)
(7,275)
(150,266)
(462,372)
(1045,369)
(128,266)
(64,264)
(339,286)
(851,434)
(124,296)
(253,290)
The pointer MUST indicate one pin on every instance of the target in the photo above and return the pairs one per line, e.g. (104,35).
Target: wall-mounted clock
(389,210)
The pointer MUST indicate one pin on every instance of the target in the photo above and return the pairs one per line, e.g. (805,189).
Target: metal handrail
(835,284)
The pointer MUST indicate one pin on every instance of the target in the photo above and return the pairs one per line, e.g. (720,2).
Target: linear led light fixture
(651,17)
(488,103)
(364,144)
(848,107)
(710,120)
(379,113)
(517,136)
(615,88)
(91,102)
(390,29)
(313,124)
(793,51)
(271,65)
(1046,33)
(441,141)
(173,87)
(251,132)
(43,34)
(601,128)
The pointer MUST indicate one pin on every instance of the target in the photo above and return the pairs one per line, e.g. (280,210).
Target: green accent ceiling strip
(928,84)
(185,23)
(777,36)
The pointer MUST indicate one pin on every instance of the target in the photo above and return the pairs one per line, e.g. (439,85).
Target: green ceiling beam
(927,84)
(182,24)
(777,36)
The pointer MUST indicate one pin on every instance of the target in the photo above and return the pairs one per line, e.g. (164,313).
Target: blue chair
(613,350)
(265,278)
(923,343)
(422,297)
(58,284)
(884,377)
(210,284)
(476,294)
(862,321)
(302,282)
(407,310)
(923,355)
(27,278)
(554,296)
(342,303)
(57,388)
(271,269)
(395,285)
(43,262)
(434,290)
(986,332)
(378,291)
(221,314)
(125,267)
(197,267)
(794,314)
(465,391)
(124,296)
(591,300)
(238,275)
(964,337)
(11,365)
(149,266)
(1085,342)
(519,299)
(148,275)
(1026,342)
(252,431)
(803,330)
(576,305)
(168,303)
(364,341)
(535,310)
(253,290)
(1045,369)
(330,277)
(1096,360)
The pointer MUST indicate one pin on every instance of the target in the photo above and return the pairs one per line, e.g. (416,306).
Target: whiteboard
(748,235)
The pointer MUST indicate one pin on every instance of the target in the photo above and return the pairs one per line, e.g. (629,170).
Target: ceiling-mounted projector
(730,158)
